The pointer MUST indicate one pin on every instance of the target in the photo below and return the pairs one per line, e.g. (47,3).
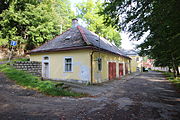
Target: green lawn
(172,79)
(29,81)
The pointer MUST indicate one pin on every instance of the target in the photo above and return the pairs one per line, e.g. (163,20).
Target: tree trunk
(169,69)
(173,65)
(177,71)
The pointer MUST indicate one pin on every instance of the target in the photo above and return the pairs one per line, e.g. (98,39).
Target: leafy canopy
(88,12)
(32,22)
(159,17)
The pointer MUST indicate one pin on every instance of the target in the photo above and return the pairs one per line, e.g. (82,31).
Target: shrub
(33,82)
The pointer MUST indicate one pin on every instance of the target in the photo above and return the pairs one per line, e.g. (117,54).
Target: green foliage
(88,12)
(27,80)
(33,22)
(159,18)
(4,5)
(171,78)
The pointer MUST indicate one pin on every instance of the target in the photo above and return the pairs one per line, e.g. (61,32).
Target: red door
(112,70)
(120,69)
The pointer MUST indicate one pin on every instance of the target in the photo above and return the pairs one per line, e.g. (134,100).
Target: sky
(125,42)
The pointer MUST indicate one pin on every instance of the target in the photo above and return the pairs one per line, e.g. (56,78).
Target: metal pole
(10,55)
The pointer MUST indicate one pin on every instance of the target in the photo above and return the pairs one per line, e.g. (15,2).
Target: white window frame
(71,64)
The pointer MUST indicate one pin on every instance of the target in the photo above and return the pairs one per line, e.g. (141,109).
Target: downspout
(91,56)
(130,65)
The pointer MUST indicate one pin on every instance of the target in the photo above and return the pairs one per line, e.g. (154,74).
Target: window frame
(100,64)
(65,64)
(137,59)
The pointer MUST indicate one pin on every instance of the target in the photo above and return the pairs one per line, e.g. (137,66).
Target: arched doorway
(45,67)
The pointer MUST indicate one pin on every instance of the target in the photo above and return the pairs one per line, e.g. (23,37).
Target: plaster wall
(103,75)
(81,65)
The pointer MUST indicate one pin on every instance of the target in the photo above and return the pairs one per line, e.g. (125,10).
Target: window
(137,59)
(68,64)
(99,64)
(46,58)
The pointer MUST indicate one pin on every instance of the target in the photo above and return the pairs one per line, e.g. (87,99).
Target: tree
(88,12)
(160,18)
(33,22)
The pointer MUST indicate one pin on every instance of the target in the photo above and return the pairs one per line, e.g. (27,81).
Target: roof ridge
(83,35)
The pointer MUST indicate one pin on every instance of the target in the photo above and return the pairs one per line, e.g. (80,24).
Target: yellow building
(136,61)
(82,56)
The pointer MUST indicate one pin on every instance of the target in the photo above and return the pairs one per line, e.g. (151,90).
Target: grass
(20,59)
(29,81)
(14,60)
(1,60)
(171,78)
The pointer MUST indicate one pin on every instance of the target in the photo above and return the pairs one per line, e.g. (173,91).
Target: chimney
(75,22)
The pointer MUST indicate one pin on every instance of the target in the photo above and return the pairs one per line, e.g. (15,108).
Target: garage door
(112,70)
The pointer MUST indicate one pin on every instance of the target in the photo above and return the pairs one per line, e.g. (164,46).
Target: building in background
(136,60)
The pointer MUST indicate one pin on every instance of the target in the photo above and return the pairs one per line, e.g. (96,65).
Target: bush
(171,78)
(33,82)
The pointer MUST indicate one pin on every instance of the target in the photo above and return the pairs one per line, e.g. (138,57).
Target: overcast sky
(125,42)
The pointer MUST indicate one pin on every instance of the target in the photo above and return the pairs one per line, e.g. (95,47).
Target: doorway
(120,70)
(45,67)
(46,70)
(112,70)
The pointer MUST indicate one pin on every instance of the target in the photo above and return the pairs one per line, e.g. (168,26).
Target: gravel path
(148,96)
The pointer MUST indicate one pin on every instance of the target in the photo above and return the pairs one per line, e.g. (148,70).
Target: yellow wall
(81,64)
(100,76)
(135,63)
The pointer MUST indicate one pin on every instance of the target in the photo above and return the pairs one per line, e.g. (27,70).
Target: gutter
(91,58)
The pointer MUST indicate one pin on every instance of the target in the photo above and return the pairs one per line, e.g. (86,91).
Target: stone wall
(32,67)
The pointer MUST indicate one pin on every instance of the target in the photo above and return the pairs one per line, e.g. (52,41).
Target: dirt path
(146,97)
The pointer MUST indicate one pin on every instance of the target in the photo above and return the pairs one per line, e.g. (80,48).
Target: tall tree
(159,17)
(33,22)
(88,12)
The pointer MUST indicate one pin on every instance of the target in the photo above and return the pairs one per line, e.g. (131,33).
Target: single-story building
(80,55)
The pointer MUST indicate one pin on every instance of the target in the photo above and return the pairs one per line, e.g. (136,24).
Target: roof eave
(62,49)
(76,48)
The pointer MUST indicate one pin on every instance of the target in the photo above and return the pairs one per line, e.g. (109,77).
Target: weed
(171,78)
(33,82)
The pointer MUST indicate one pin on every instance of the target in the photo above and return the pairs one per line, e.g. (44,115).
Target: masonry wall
(103,75)
(32,67)
(81,65)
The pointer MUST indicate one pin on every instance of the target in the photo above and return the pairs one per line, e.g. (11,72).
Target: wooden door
(112,70)
(120,69)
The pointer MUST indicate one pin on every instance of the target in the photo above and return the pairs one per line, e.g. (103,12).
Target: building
(136,61)
(82,56)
